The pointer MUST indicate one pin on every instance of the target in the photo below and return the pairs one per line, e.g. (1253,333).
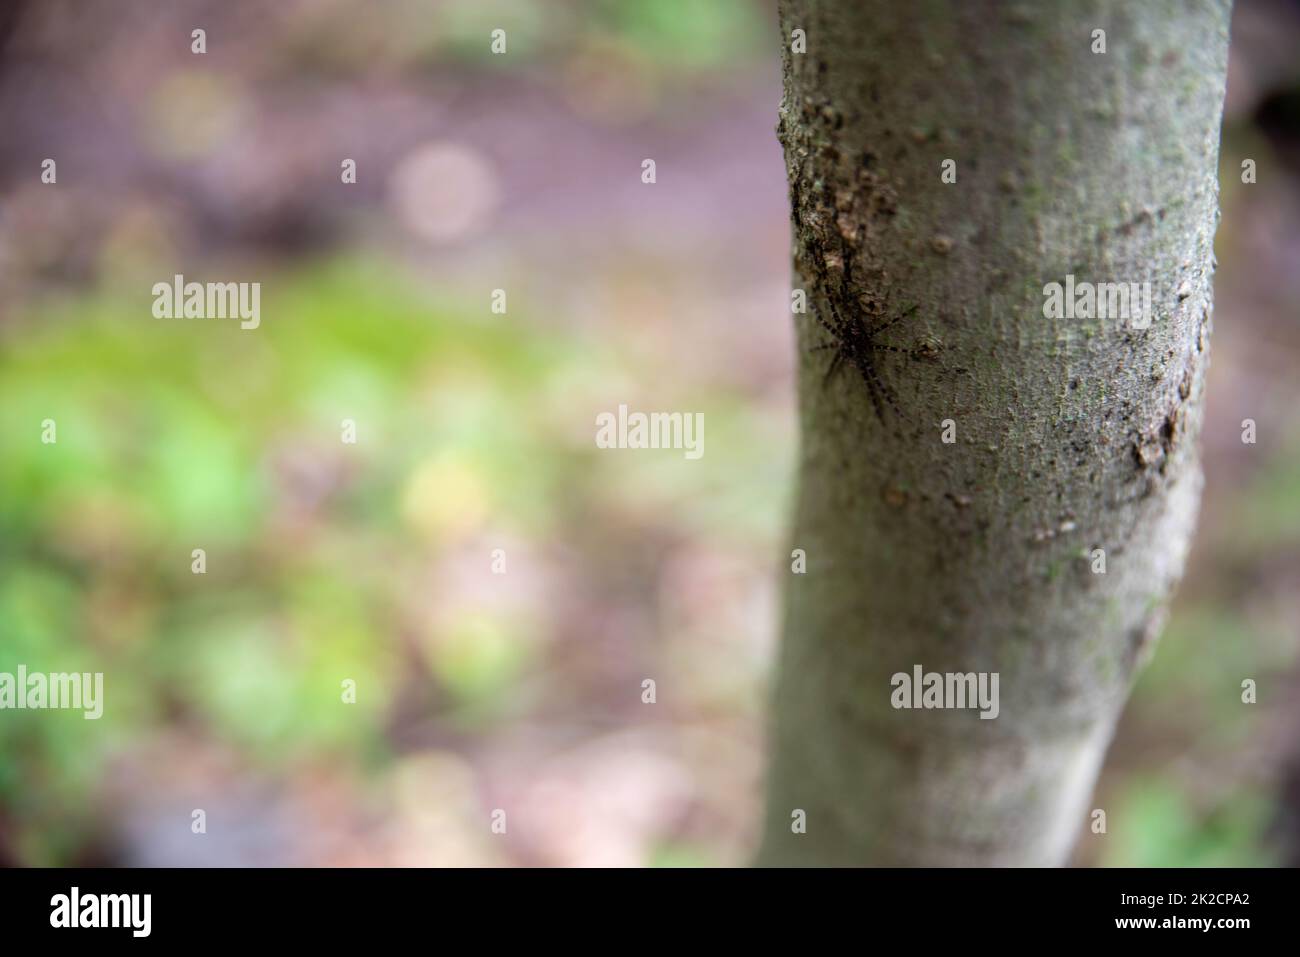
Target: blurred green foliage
(1155,825)
(666,37)
(181,434)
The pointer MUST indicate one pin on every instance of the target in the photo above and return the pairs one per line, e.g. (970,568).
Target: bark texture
(1071,434)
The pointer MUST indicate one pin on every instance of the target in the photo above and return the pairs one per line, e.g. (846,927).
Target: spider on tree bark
(855,341)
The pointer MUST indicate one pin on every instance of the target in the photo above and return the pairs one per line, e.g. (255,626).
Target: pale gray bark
(1072,434)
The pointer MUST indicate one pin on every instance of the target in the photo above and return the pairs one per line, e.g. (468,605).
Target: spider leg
(897,319)
(833,367)
(821,320)
(836,330)
(840,324)
(892,398)
(875,398)
(881,347)
(869,370)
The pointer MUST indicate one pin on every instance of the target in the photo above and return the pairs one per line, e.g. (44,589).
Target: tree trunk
(1073,440)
